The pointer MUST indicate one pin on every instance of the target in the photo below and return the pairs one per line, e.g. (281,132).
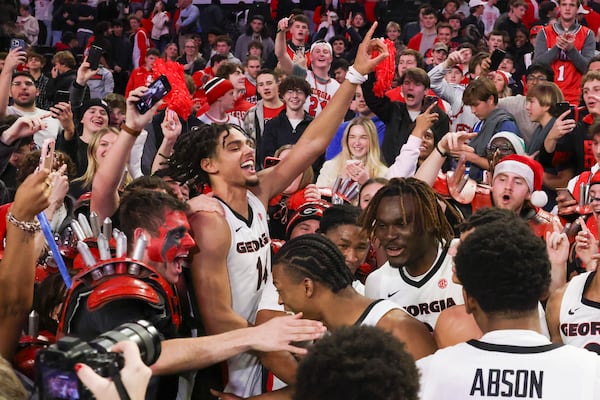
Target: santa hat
(505,75)
(216,88)
(530,170)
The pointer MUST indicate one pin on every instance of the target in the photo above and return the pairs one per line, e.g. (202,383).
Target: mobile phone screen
(156,91)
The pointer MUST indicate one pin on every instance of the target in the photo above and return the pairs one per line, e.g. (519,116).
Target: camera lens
(142,333)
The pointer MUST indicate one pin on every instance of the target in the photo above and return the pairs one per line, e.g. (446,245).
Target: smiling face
(290,290)
(168,249)
(94,119)
(321,57)
(510,191)
(426,145)
(294,99)
(234,159)
(358,142)
(396,232)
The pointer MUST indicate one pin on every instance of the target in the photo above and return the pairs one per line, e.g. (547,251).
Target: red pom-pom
(385,70)
(179,98)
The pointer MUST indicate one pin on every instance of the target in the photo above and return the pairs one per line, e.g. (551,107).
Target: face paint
(173,239)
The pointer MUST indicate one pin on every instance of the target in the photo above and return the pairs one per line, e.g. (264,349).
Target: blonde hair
(92,167)
(373,158)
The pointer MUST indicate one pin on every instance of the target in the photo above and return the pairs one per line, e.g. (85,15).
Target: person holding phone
(21,88)
(360,158)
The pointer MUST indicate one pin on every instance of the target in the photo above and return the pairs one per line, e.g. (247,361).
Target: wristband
(129,130)
(353,76)
(26,226)
(441,152)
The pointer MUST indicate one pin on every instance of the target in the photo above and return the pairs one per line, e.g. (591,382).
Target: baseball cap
(476,3)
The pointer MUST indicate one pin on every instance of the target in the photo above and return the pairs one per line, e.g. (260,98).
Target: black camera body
(55,366)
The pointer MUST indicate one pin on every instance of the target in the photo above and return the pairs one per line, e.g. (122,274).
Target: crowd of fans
(431,171)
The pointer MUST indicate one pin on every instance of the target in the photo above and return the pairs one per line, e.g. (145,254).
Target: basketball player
(406,218)
(504,269)
(311,276)
(233,265)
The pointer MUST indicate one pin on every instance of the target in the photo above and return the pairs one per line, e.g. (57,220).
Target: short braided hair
(316,257)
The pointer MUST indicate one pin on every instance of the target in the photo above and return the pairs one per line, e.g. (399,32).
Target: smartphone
(563,106)
(47,154)
(156,91)
(566,193)
(61,96)
(497,57)
(428,101)
(17,44)
(93,57)
(271,161)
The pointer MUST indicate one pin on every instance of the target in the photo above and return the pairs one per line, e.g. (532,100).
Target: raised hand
(363,63)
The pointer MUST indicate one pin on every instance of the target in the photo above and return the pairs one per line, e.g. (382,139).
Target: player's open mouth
(248,165)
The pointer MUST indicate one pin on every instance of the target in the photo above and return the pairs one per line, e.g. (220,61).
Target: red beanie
(216,88)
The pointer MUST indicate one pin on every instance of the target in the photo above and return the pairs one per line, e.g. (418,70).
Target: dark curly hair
(357,363)
(484,216)
(337,215)
(316,257)
(504,266)
(428,215)
(189,150)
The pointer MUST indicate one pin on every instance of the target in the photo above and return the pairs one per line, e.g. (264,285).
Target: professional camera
(55,365)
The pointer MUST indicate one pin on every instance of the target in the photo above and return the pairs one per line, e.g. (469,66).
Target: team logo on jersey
(442,283)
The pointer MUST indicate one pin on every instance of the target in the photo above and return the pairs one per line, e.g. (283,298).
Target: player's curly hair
(428,215)
(198,143)
(484,216)
(316,257)
(357,363)
(504,266)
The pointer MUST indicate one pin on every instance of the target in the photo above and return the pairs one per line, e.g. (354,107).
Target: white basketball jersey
(510,364)
(248,265)
(580,317)
(321,94)
(422,297)
(376,311)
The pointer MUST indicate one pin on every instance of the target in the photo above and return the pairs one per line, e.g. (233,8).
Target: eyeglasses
(297,92)
(27,83)
(503,148)
(536,78)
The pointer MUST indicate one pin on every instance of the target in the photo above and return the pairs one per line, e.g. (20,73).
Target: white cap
(582,10)
(475,3)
